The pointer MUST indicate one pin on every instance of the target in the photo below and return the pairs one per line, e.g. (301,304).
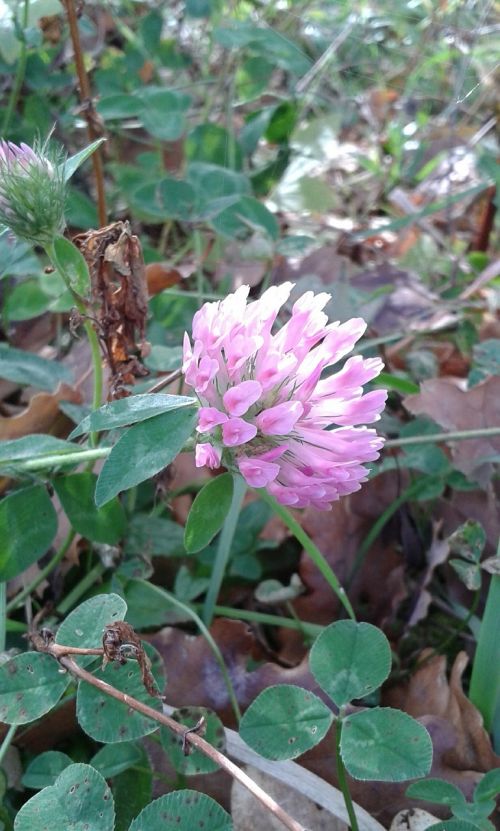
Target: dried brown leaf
(42,415)
(457,409)
(119,300)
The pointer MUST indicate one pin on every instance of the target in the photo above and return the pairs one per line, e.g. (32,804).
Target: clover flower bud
(271,406)
(32,191)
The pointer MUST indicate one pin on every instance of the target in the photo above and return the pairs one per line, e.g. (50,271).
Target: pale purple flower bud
(32,191)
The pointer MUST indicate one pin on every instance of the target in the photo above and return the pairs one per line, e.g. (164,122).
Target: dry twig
(43,642)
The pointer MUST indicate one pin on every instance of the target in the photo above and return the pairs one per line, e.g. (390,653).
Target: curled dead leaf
(462,747)
(119,299)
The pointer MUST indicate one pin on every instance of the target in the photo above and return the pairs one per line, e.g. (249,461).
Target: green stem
(7,739)
(205,295)
(48,569)
(60,459)
(80,589)
(16,626)
(312,629)
(341,774)
(97,367)
(198,250)
(93,340)
(443,647)
(377,526)
(174,601)
(3,614)
(313,551)
(20,72)
(484,689)
(224,549)
(454,435)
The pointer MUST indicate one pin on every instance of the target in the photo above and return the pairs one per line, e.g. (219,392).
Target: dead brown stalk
(87,109)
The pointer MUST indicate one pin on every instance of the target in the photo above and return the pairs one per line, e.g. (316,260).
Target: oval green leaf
(107,720)
(183,811)
(453,825)
(194,762)
(132,790)
(30,447)
(73,163)
(349,660)
(284,721)
(385,745)
(30,685)
(23,540)
(126,411)
(143,451)
(208,512)
(26,368)
(85,625)
(76,493)
(79,798)
(71,265)
(44,769)
(436,790)
(113,759)
(488,787)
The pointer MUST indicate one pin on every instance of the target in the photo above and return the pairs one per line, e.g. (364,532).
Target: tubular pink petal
(279,420)
(237,431)
(257,472)
(239,399)
(208,418)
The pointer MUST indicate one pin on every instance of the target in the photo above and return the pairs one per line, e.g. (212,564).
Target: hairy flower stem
(20,72)
(91,336)
(314,552)
(56,460)
(224,548)
(378,525)
(342,777)
(171,599)
(311,629)
(86,583)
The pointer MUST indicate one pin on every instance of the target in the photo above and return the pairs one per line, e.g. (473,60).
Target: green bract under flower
(32,191)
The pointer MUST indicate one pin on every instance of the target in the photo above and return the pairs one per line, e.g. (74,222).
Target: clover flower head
(268,408)
(32,191)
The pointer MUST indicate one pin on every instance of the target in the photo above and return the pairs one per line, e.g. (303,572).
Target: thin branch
(87,109)
(62,654)
(452,435)
(166,380)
